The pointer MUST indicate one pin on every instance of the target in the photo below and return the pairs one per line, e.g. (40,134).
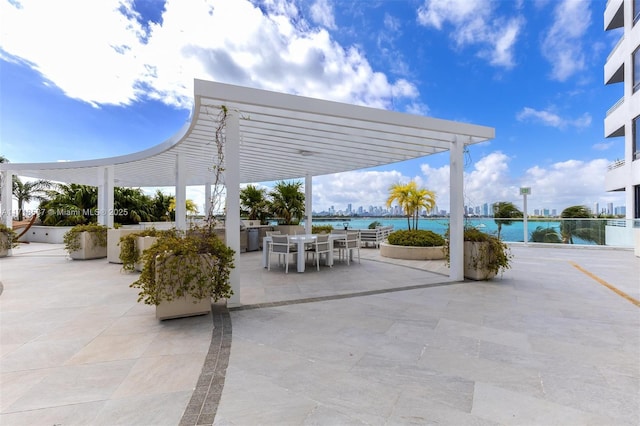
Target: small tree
(574,227)
(411,199)
(504,213)
(26,192)
(254,203)
(287,202)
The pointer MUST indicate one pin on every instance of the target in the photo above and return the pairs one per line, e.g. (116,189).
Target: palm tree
(189,205)
(574,227)
(411,199)
(70,204)
(131,206)
(161,203)
(503,213)
(421,198)
(25,192)
(254,203)
(287,202)
(401,193)
(545,235)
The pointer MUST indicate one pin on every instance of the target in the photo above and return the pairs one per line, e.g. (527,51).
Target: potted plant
(485,255)
(132,246)
(183,271)
(86,241)
(414,244)
(7,240)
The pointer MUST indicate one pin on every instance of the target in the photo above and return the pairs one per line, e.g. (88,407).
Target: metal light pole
(524,192)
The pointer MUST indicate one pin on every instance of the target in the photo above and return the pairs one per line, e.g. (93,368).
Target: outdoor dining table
(301,240)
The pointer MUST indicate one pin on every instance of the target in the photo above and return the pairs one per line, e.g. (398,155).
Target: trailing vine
(195,263)
(493,255)
(71,238)
(8,240)
(129,253)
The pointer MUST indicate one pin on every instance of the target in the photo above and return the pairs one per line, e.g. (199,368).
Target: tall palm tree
(189,205)
(504,213)
(25,192)
(545,235)
(421,198)
(411,200)
(161,204)
(131,206)
(583,229)
(287,202)
(401,193)
(70,204)
(254,203)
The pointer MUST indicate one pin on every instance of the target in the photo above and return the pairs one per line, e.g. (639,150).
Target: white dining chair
(320,246)
(281,246)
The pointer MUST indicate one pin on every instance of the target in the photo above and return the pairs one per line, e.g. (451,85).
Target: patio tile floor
(378,342)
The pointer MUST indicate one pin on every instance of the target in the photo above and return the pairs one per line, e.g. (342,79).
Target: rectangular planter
(474,269)
(4,241)
(143,243)
(89,248)
(183,307)
(113,243)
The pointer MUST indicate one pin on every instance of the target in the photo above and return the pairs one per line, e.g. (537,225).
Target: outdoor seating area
(375,236)
(388,342)
(296,248)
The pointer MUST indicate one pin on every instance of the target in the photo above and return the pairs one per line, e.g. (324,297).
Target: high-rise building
(623,118)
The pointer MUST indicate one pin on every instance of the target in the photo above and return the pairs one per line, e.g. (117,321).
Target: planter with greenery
(132,246)
(114,249)
(7,240)
(183,271)
(485,255)
(84,242)
(414,244)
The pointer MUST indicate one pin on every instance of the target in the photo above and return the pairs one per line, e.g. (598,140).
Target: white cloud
(108,57)
(322,14)
(556,186)
(602,146)
(475,22)
(563,45)
(551,119)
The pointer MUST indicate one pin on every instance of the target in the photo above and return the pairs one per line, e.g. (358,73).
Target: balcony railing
(615,165)
(615,47)
(615,106)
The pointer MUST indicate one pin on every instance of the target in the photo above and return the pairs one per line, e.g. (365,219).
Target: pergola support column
(232,182)
(106,183)
(308,194)
(456,219)
(7,198)
(181,193)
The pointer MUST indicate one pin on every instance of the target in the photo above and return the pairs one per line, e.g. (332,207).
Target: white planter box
(183,307)
(89,249)
(113,243)
(4,240)
(473,268)
(411,253)
(143,243)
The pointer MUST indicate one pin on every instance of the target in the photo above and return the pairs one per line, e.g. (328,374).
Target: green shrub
(71,238)
(416,238)
(375,224)
(129,251)
(321,229)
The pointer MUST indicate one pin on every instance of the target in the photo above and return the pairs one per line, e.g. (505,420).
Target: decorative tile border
(203,405)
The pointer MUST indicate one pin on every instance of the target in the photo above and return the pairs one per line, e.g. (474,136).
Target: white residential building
(623,118)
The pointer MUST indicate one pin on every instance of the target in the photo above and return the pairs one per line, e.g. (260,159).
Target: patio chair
(281,246)
(270,233)
(320,245)
(346,247)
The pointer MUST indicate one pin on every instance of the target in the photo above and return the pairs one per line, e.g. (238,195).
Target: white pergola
(269,136)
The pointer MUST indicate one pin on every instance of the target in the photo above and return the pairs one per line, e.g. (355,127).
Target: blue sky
(82,80)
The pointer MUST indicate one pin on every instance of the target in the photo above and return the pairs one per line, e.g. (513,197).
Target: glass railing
(615,106)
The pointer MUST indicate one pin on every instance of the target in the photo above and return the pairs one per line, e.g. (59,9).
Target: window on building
(635,138)
(636,201)
(636,11)
(636,70)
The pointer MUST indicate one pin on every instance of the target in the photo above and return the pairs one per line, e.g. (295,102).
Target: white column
(106,182)
(456,219)
(232,181)
(308,193)
(7,198)
(181,193)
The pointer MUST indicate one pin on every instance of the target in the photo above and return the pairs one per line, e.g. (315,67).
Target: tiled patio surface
(380,343)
